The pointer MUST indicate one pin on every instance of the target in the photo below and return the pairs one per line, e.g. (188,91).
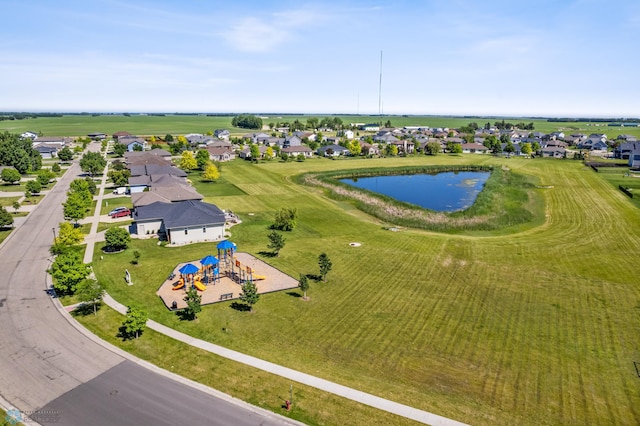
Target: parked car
(119,212)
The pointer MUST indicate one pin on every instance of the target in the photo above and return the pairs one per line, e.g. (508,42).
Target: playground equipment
(179,285)
(245,273)
(198,284)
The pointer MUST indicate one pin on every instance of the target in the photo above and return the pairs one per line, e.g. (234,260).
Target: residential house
(97,136)
(294,151)
(58,141)
(221,153)
(372,127)
(47,151)
(180,223)
(29,135)
(634,159)
(473,148)
(554,151)
(167,193)
(132,143)
(594,143)
(245,154)
(221,134)
(624,150)
(120,134)
(332,151)
(369,149)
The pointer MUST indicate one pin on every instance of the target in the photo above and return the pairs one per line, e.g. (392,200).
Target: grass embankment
(507,200)
(259,388)
(530,328)
(620,176)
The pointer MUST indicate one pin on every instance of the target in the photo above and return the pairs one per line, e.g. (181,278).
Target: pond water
(443,192)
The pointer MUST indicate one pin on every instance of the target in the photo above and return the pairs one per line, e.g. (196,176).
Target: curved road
(51,369)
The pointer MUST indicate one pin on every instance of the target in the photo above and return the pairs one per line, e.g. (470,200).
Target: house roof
(182,214)
(292,149)
(165,194)
(156,169)
(128,140)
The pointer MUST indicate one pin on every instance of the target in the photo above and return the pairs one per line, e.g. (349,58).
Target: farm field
(536,327)
(81,125)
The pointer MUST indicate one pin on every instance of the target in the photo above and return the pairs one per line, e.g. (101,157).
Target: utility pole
(380,88)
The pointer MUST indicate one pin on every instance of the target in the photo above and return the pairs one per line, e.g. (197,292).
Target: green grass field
(76,125)
(536,327)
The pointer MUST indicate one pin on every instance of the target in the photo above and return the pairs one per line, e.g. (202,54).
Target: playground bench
(226,296)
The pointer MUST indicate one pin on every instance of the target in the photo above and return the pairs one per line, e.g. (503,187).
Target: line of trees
(247,121)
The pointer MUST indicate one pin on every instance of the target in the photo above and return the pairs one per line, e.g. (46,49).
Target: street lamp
(54,234)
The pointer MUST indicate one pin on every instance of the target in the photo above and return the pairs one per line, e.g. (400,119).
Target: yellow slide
(178,286)
(199,285)
(258,277)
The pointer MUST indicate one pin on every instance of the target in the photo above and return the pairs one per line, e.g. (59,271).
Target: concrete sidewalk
(297,376)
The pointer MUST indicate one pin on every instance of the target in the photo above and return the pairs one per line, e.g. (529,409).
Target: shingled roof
(182,214)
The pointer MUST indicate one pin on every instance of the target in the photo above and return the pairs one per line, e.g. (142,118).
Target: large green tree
(5,218)
(285,219)
(19,153)
(44,176)
(202,158)
(247,121)
(92,163)
(119,177)
(33,187)
(68,271)
(117,239)
(65,154)
(119,149)
(76,206)
(10,175)
(432,148)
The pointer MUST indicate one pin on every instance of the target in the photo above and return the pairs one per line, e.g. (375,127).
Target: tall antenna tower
(380,88)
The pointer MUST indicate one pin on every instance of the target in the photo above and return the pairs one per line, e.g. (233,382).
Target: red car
(120,212)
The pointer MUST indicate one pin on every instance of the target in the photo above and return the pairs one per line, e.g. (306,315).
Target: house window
(204,229)
(186,232)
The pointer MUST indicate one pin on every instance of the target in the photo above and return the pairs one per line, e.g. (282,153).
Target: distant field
(81,125)
(537,327)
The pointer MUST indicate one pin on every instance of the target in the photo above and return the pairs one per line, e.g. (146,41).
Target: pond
(443,192)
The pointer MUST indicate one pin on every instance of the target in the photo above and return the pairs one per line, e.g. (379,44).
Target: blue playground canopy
(226,245)
(209,260)
(189,269)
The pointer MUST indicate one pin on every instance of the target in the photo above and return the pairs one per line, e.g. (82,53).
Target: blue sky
(525,57)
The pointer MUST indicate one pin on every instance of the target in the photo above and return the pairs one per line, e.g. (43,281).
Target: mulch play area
(229,285)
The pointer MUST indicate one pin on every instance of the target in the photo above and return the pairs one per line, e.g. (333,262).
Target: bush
(117,239)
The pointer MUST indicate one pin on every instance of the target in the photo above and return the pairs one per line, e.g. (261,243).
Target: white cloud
(254,35)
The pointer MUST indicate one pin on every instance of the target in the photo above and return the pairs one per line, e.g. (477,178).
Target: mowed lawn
(537,327)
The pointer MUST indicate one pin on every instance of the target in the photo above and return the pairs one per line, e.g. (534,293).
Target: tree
(137,147)
(65,154)
(19,153)
(68,271)
(509,148)
(90,291)
(312,123)
(391,150)
(134,323)
(535,146)
(44,176)
(255,152)
(202,158)
(10,175)
(300,158)
(119,149)
(119,177)
(354,147)
(276,242)
(249,295)
(68,235)
(325,265)
(92,163)
(247,121)
(168,138)
(56,168)
(285,219)
(454,148)
(188,162)
(432,148)
(210,173)
(526,148)
(16,206)
(76,206)
(194,306)
(117,239)
(269,153)
(5,218)
(303,284)
(33,187)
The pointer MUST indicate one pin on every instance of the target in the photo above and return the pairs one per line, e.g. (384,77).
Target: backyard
(532,327)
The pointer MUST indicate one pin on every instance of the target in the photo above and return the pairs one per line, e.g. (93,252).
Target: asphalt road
(48,366)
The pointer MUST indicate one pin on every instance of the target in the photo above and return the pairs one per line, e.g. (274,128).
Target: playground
(221,278)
